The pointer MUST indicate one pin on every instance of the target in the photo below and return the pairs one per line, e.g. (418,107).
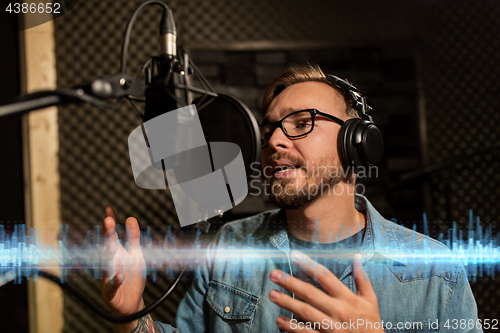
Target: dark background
(14,304)
(430,70)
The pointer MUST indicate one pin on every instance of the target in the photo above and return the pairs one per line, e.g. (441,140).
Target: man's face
(311,161)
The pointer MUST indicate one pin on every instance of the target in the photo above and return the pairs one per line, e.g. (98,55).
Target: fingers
(132,226)
(128,260)
(303,290)
(109,250)
(110,228)
(133,232)
(134,238)
(299,308)
(332,285)
(293,325)
(123,271)
(110,212)
(363,285)
(110,225)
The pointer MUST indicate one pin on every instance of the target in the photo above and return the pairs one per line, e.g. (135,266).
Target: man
(360,285)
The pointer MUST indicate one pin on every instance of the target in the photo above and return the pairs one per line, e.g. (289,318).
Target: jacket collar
(380,236)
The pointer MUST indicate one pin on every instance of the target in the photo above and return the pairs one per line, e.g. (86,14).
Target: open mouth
(283,170)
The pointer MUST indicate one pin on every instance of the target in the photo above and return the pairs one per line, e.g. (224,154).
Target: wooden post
(41,176)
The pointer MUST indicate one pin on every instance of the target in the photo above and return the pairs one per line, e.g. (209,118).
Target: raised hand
(122,288)
(332,311)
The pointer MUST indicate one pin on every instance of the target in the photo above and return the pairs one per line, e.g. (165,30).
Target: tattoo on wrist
(145,325)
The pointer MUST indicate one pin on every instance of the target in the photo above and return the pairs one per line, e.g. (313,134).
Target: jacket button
(227,309)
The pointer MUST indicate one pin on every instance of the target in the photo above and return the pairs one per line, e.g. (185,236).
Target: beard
(285,194)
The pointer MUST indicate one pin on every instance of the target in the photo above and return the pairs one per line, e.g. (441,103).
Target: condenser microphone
(168,35)
(161,94)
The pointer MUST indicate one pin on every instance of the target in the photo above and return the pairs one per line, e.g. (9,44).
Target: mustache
(284,156)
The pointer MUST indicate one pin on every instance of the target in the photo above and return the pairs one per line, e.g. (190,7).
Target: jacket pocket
(231,302)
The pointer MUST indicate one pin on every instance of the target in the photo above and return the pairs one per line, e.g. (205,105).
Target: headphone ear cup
(359,144)
(371,147)
(347,152)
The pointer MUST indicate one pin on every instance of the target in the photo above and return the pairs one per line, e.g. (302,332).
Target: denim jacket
(231,291)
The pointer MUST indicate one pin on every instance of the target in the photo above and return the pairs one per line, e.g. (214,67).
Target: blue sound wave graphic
(22,255)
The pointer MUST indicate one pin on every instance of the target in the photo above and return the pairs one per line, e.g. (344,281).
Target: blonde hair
(299,74)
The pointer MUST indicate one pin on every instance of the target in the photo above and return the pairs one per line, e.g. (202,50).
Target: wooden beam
(42,192)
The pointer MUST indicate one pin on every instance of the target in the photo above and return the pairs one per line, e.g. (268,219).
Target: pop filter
(226,119)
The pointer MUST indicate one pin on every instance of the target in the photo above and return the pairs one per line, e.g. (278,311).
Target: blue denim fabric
(231,294)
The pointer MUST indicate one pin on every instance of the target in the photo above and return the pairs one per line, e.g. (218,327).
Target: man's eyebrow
(286,112)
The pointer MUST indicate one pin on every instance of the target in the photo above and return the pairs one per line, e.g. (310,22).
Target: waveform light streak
(22,255)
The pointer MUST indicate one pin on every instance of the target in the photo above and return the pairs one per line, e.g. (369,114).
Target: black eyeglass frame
(313,113)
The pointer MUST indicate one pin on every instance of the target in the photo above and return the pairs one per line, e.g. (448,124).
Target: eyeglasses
(294,125)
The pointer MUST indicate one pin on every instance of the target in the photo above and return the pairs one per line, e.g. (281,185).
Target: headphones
(360,143)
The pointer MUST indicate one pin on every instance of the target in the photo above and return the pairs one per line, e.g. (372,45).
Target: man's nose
(279,140)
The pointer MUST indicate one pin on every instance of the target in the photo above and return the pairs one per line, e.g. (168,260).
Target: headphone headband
(358,102)
(359,142)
